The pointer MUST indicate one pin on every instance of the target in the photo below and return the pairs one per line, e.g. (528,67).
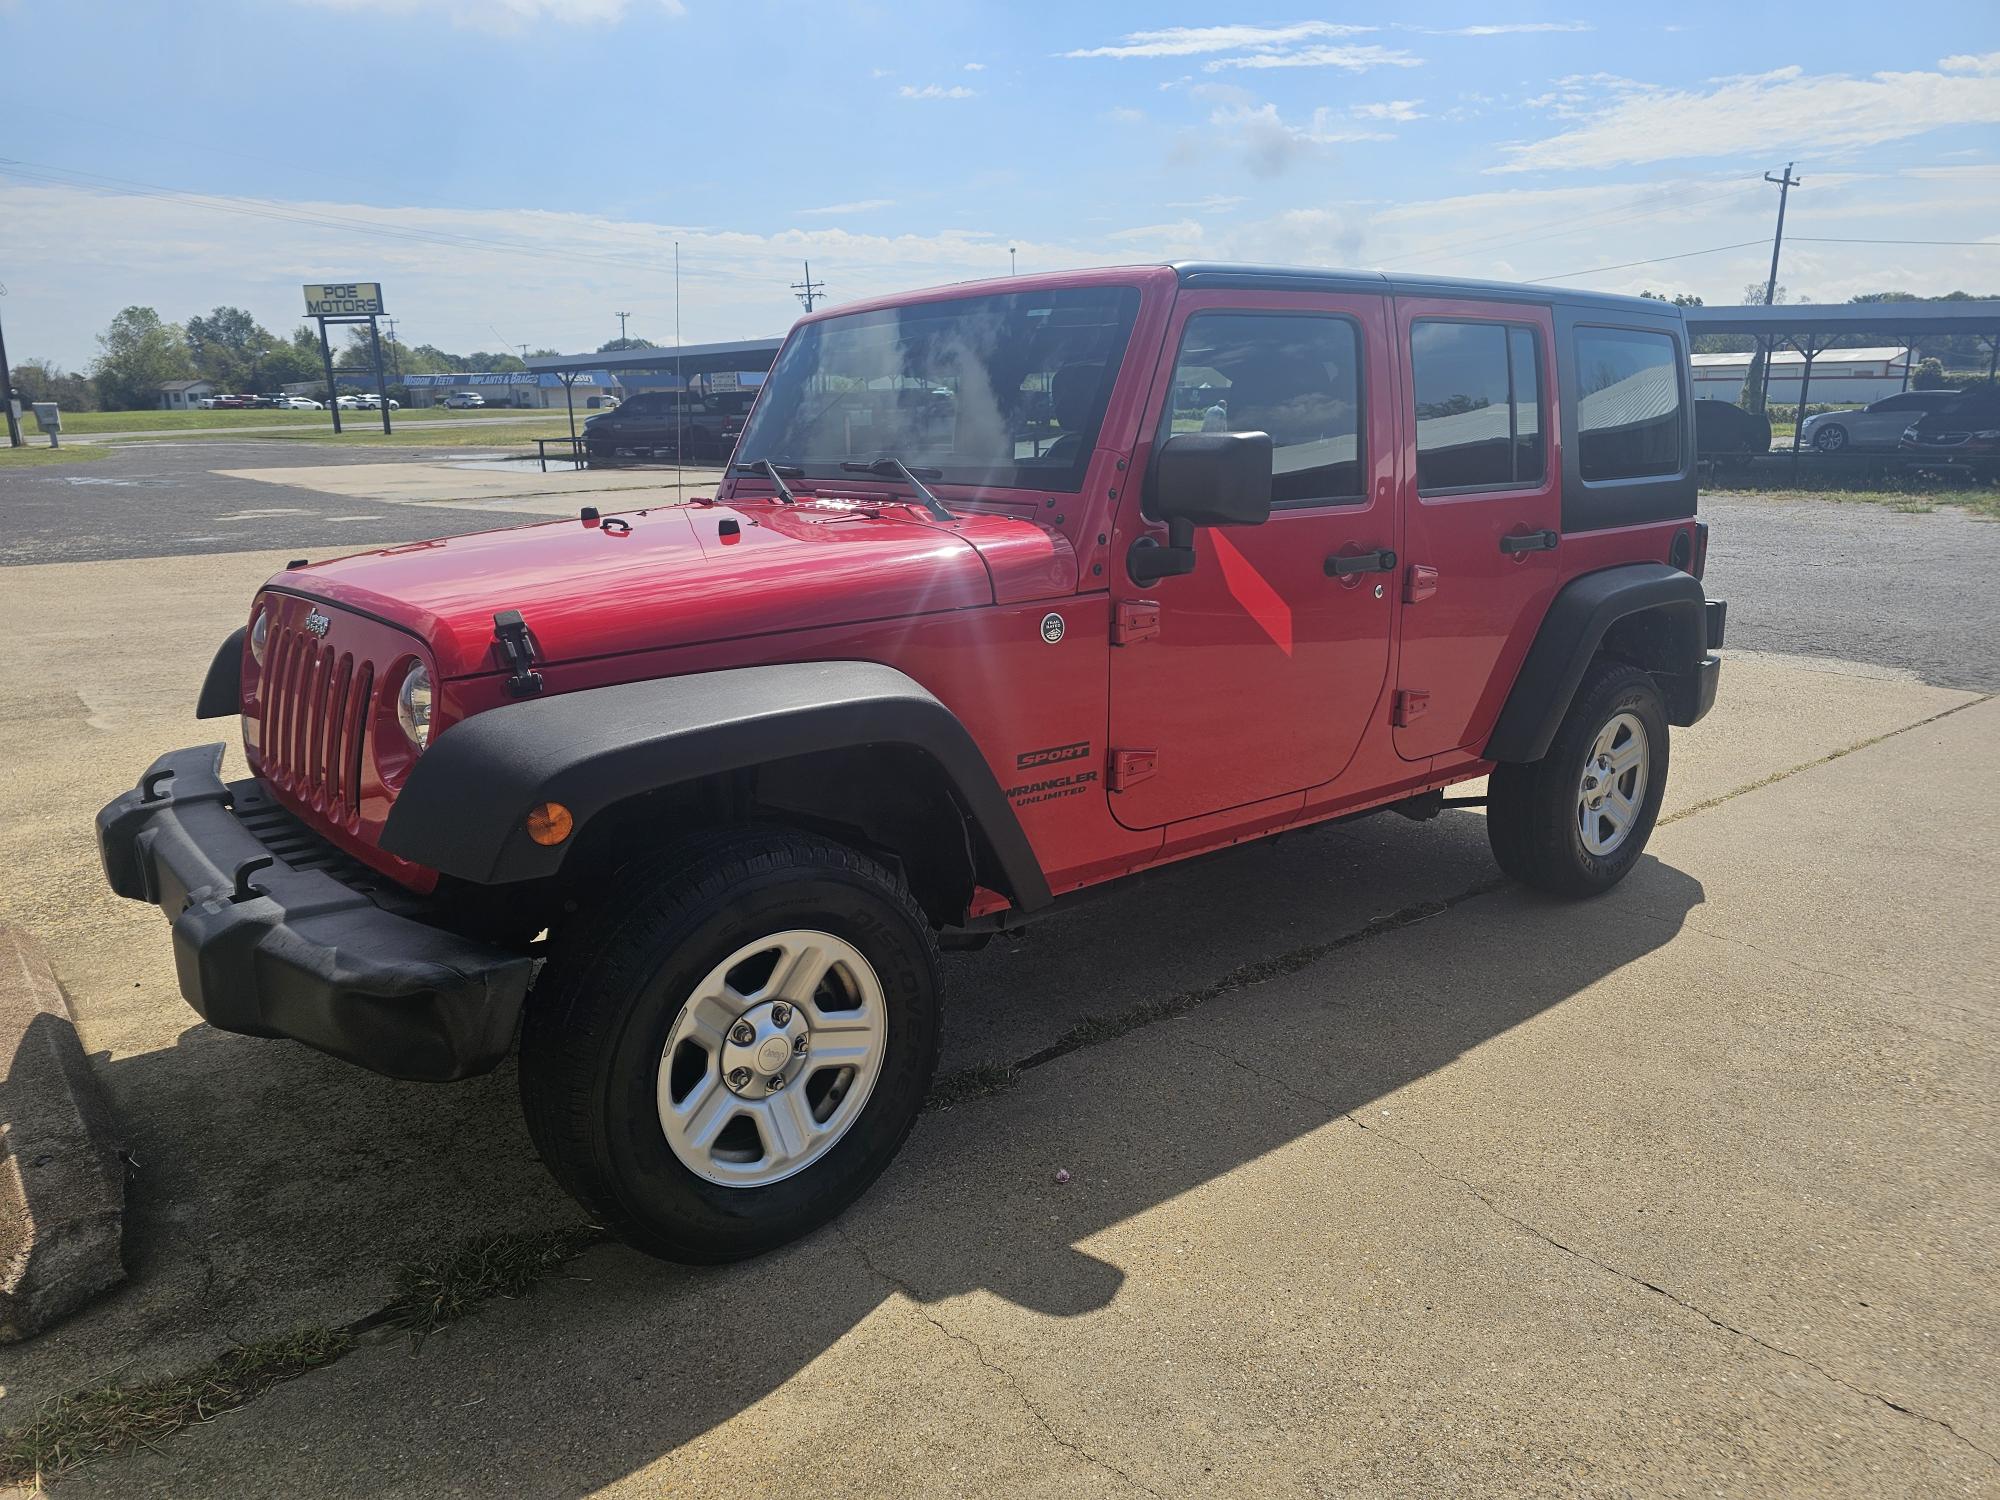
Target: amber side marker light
(549,823)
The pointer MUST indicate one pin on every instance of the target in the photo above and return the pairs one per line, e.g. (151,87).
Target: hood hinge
(511,631)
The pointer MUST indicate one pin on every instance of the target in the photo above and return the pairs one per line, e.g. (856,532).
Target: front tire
(731,1053)
(1575,822)
(1830,439)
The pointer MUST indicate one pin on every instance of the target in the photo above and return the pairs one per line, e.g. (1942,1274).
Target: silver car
(1878,425)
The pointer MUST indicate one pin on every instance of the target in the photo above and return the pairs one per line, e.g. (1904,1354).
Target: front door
(1482,513)
(1261,671)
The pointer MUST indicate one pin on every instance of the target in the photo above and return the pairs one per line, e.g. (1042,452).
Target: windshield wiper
(776,474)
(894,468)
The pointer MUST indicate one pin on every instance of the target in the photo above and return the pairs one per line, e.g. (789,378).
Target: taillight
(1700,549)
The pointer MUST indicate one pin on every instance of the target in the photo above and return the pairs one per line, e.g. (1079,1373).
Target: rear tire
(638,1093)
(1575,822)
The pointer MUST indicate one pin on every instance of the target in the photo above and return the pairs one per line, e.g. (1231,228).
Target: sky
(519,171)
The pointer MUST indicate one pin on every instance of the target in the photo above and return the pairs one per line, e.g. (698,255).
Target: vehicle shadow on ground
(969,1207)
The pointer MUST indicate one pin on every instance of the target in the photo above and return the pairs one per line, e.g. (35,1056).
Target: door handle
(1532,541)
(1381,561)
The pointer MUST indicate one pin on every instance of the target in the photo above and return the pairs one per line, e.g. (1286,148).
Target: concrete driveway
(1422,1185)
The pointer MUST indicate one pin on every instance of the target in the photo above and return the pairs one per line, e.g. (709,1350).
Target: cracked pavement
(1432,1187)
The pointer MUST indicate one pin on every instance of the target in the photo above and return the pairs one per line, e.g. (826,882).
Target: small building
(518,388)
(185,395)
(1839,376)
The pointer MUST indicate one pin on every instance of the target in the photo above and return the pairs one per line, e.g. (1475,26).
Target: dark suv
(1015,588)
(666,424)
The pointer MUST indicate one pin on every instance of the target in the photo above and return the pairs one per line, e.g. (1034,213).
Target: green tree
(138,354)
(45,380)
(616,345)
(1930,375)
(228,346)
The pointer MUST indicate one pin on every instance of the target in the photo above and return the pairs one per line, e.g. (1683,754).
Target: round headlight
(413,705)
(260,632)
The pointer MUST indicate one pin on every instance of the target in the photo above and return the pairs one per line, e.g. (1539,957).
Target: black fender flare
(463,810)
(1572,630)
(222,689)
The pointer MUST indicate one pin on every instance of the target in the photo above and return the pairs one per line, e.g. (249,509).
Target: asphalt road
(1807,578)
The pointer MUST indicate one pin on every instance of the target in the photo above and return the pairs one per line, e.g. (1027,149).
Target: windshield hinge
(511,631)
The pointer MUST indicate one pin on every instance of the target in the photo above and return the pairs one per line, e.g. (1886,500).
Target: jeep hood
(682,575)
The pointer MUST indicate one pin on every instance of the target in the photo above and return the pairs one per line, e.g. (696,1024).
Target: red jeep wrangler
(1013,589)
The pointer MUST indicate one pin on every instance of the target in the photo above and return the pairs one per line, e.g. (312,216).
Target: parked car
(347,403)
(372,402)
(1878,426)
(464,400)
(1966,428)
(268,402)
(1723,430)
(657,424)
(231,403)
(299,403)
(686,800)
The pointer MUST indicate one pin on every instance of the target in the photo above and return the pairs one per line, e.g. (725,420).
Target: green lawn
(508,430)
(92,422)
(39,454)
(1908,493)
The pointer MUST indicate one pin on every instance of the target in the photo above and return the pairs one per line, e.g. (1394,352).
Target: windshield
(1006,390)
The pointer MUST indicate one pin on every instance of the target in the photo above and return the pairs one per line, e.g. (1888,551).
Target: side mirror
(1201,479)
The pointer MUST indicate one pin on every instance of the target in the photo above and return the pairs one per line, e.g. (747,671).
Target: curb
(62,1179)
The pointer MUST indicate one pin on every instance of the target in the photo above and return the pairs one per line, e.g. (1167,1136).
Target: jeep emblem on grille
(316,623)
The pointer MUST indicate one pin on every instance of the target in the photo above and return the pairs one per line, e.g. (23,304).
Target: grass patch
(250,421)
(435,1293)
(103,1420)
(41,455)
(520,432)
(1911,492)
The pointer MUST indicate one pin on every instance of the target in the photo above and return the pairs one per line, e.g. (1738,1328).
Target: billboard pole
(326,357)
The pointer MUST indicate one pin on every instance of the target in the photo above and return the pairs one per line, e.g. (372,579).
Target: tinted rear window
(1628,409)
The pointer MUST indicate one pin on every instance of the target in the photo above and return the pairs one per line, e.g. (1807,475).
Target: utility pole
(809,291)
(1784,183)
(1010,260)
(395,353)
(621,317)
(14,438)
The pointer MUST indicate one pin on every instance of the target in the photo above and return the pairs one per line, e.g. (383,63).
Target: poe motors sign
(348,302)
(344,299)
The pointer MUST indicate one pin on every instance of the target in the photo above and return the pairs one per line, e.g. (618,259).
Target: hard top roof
(1199,274)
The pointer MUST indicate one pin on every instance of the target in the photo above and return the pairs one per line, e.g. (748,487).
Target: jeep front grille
(316,713)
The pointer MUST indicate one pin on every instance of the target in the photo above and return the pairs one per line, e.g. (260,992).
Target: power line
(1832,239)
(1650,261)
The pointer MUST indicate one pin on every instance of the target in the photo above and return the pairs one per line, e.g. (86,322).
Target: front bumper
(267,948)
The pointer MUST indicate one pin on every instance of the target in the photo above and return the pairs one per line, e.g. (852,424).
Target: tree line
(140,352)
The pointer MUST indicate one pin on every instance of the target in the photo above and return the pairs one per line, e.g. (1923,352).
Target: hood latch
(511,631)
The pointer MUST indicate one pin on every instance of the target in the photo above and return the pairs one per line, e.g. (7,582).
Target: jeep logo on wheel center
(767,732)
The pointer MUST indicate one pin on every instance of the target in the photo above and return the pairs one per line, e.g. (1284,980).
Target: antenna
(809,291)
(680,400)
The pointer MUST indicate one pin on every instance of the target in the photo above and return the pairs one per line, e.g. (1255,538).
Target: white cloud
(1394,109)
(1215,203)
(975,68)
(1504,28)
(1355,59)
(1125,115)
(1181,234)
(1637,123)
(1190,41)
(505,16)
(937,91)
(859,206)
(1965,62)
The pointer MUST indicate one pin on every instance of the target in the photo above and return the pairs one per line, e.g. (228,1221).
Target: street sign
(346,299)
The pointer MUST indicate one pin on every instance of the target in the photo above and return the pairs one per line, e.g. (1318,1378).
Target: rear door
(1257,674)
(1482,512)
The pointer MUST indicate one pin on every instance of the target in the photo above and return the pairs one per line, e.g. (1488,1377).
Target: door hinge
(1421,583)
(1130,767)
(1135,620)
(1411,704)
